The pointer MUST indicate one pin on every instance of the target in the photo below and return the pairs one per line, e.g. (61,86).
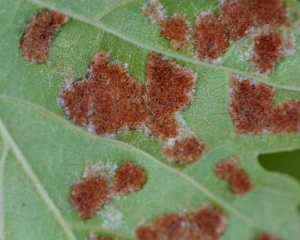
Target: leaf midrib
(177,56)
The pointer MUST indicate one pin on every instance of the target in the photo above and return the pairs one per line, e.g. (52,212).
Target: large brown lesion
(266,236)
(38,35)
(109,100)
(253,110)
(207,223)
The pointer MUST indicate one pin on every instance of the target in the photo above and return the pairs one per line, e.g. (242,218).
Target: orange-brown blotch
(211,38)
(231,170)
(88,195)
(208,224)
(38,35)
(254,112)
(129,178)
(176,30)
(267,51)
(185,150)
(266,236)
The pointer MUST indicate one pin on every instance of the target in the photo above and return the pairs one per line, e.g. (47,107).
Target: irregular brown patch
(176,30)
(96,188)
(236,19)
(253,111)
(266,236)
(88,195)
(230,169)
(211,38)
(206,224)
(185,150)
(108,100)
(38,35)
(268,50)
(99,238)
(129,178)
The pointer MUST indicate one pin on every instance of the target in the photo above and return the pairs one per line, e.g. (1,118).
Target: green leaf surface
(42,153)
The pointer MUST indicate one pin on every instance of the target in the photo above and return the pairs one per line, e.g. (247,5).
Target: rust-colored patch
(266,236)
(268,50)
(211,37)
(38,35)
(99,238)
(108,100)
(230,169)
(210,221)
(253,111)
(238,17)
(129,178)
(185,150)
(176,30)
(208,224)
(88,195)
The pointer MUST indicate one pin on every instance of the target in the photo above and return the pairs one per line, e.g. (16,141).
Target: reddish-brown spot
(253,110)
(185,150)
(210,221)
(99,238)
(230,169)
(238,18)
(108,100)
(129,178)
(211,37)
(176,30)
(266,236)
(268,50)
(206,224)
(88,195)
(38,35)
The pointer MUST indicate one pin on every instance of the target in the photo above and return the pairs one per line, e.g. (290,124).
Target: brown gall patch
(206,224)
(153,9)
(254,112)
(230,170)
(129,178)
(88,195)
(176,30)
(268,50)
(266,236)
(184,150)
(38,35)
(211,38)
(108,100)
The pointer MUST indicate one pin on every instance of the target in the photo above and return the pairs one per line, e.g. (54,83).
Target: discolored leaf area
(236,108)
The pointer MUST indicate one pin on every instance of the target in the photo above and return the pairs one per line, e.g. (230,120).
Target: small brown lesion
(266,236)
(253,110)
(38,35)
(230,169)
(206,223)
(175,29)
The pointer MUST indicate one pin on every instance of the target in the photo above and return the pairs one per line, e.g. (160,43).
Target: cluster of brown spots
(268,50)
(184,150)
(230,169)
(175,29)
(108,100)
(235,19)
(253,110)
(129,178)
(91,192)
(206,224)
(266,236)
(38,35)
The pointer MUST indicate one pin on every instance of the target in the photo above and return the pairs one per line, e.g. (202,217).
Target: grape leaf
(42,154)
